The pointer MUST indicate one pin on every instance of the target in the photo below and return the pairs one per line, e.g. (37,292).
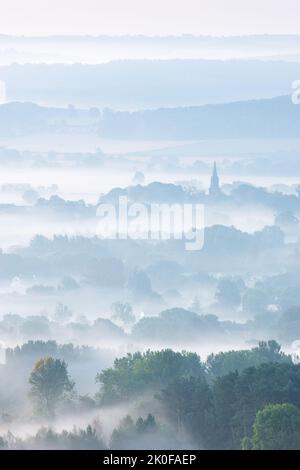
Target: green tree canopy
(187,403)
(128,433)
(49,382)
(238,397)
(151,371)
(225,362)
(276,427)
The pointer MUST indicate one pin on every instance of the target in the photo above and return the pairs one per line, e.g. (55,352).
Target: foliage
(140,372)
(122,312)
(225,362)
(49,382)
(255,301)
(3,443)
(228,293)
(188,405)
(238,397)
(79,439)
(62,313)
(128,433)
(276,427)
(48,439)
(217,405)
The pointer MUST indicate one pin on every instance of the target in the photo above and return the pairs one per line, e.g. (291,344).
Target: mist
(119,330)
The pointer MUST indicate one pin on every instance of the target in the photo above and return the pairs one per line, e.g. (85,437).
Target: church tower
(214,189)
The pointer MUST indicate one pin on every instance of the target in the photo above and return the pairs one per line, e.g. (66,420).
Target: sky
(149,17)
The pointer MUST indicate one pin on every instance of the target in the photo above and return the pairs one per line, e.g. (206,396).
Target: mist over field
(117,332)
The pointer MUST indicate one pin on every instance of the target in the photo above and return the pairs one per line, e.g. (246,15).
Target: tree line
(248,399)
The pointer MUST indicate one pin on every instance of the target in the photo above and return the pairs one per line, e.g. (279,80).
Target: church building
(214,189)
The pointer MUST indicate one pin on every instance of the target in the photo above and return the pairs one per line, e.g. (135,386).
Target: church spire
(214,189)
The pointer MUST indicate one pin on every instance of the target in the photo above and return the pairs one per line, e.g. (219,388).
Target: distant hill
(146,84)
(276,118)
(266,119)
(27,118)
(97,49)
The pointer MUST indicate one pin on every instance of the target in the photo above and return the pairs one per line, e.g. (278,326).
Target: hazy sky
(215,17)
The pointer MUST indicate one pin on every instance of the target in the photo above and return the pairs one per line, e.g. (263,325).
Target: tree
(139,282)
(147,425)
(49,382)
(94,113)
(139,178)
(228,293)
(30,196)
(188,404)
(270,383)
(122,312)
(224,399)
(78,439)
(225,362)
(255,301)
(237,397)
(62,313)
(142,434)
(3,443)
(289,321)
(123,435)
(151,371)
(276,427)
